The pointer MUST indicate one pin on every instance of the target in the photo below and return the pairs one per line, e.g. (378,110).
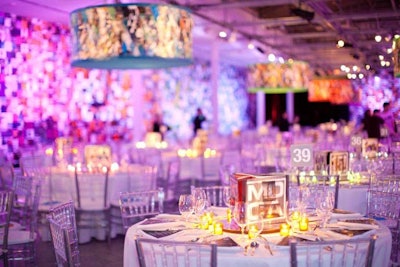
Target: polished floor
(92,254)
(95,253)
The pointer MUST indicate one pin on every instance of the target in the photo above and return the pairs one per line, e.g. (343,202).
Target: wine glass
(255,228)
(186,205)
(239,215)
(303,198)
(200,200)
(325,207)
(229,200)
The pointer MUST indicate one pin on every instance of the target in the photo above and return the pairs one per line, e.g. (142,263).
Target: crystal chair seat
(92,206)
(6,202)
(136,206)
(64,234)
(351,252)
(385,207)
(215,195)
(157,252)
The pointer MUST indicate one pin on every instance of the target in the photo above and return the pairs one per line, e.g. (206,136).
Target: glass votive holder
(303,224)
(210,217)
(218,228)
(284,229)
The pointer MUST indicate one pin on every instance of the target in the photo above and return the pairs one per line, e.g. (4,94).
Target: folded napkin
(326,234)
(157,224)
(161,233)
(343,214)
(357,226)
(305,236)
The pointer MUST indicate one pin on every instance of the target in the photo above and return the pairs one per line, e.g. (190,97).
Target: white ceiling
(271,25)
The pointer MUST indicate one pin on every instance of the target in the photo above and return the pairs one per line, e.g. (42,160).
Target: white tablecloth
(233,256)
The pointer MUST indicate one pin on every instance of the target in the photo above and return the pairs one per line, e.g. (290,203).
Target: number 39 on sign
(301,155)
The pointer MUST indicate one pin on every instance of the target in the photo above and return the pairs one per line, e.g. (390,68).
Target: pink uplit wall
(37,82)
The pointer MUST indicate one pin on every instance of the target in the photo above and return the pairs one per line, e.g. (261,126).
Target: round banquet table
(233,256)
(60,186)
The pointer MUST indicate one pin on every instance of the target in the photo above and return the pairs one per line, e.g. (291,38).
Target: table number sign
(370,147)
(356,141)
(338,162)
(321,162)
(301,155)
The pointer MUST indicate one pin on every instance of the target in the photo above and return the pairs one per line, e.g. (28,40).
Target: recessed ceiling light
(378,38)
(340,43)
(271,57)
(223,34)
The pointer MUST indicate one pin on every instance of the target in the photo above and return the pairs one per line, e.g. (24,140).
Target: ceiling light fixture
(340,43)
(131,36)
(378,38)
(223,34)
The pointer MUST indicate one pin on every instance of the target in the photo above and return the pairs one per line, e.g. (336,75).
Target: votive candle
(218,229)
(303,224)
(284,229)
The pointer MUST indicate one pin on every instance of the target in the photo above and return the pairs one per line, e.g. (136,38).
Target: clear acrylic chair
(139,178)
(215,195)
(385,207)
(92,206)
(65,213)
(355,252)
(22,241)
(136,206)
(64,234)
(310,187)
(157,252)
(6,176)
(6,202)
(22,187)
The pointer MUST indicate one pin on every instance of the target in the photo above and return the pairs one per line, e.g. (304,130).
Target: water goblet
(229,200)
(200,200)
(239,215)
(186,205)
(325,206)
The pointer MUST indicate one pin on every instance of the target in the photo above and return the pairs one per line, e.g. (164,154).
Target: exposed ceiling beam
(243,4)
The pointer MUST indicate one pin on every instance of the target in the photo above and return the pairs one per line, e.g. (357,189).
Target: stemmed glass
(256,227)
(186,205)
(239,215)
(200,200)
(324,209)
(303,198)
(229,200)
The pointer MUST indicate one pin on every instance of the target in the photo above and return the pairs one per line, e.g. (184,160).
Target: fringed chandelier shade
(131,36)
(396,57)
(278,78)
